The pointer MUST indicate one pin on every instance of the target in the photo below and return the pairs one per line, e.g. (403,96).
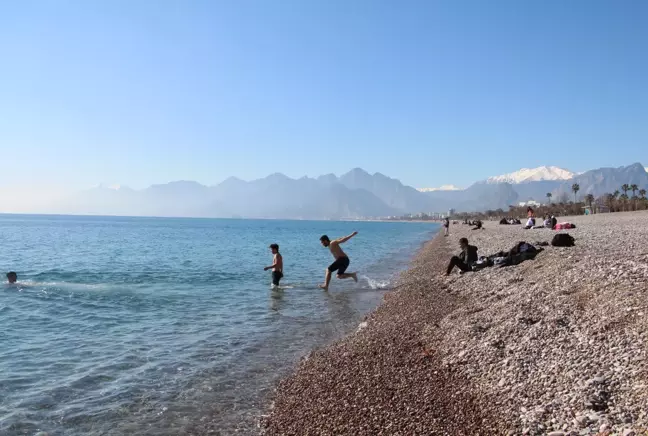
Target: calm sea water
(158,326)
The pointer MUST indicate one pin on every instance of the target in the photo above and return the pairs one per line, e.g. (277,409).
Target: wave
(69,286)
(377,284)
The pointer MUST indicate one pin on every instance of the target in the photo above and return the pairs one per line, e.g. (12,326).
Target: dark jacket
(469,255)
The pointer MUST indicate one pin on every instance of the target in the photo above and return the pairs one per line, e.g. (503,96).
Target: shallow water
(151,326)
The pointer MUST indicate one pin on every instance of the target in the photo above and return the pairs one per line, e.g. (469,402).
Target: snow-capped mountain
(441,188)
(533,175)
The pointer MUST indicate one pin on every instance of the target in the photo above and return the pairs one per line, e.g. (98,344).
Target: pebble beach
(553,346)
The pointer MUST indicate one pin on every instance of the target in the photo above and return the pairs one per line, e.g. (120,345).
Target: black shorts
(340,265)
(276,276)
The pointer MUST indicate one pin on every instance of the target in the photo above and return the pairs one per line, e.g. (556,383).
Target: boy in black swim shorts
(277,265)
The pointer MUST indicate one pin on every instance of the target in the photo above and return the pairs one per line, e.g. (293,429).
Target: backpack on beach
(563,240)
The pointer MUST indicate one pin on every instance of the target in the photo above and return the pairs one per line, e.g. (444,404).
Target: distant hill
(356,194)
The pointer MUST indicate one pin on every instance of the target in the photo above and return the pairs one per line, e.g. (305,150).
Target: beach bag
(563,240)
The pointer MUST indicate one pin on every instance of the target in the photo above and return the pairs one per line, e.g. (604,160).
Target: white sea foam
(377,284)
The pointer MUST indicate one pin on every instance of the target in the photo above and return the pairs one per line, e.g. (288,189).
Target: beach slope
(554,345)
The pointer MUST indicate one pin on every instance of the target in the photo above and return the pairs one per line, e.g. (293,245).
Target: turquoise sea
(166,326)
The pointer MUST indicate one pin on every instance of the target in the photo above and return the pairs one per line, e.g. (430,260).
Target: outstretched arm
(346,238)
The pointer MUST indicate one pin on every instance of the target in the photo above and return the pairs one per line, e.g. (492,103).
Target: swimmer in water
(12,277)
(341,262)
(277,265)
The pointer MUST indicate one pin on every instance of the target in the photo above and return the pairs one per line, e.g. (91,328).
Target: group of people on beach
(340,264)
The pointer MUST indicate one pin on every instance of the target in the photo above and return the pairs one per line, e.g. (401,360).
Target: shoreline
(555,345)
(338,378)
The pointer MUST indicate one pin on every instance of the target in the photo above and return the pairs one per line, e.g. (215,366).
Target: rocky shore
(556,345)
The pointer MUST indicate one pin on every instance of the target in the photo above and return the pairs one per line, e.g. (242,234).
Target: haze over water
(157,326)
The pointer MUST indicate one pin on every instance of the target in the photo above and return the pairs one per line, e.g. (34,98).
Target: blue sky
(430,92)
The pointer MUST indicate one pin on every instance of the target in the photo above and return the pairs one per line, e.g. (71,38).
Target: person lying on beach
(341,262)
(465,260)
(277,265)
(12,277)
(478,225)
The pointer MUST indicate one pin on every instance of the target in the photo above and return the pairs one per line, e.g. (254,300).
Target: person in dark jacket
(465,260)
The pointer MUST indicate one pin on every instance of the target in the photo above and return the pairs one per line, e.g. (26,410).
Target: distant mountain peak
(280,176)
(113,187)
(533,175)
(441,188)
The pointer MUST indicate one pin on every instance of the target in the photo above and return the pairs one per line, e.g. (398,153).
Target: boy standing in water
(277,265)
(341,260)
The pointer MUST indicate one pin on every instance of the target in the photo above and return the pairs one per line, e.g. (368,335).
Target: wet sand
(555,345)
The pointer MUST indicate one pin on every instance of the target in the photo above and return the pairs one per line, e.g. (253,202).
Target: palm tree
(625,188)
(549,197)
(624,199)
(616,194)
(575,189)
(609,200)
(642,194)
(634,188)
(589,199)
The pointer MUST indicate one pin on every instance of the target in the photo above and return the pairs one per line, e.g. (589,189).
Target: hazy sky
(430,92)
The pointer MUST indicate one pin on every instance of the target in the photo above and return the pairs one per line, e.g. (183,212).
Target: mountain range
(356,194)
(526,175)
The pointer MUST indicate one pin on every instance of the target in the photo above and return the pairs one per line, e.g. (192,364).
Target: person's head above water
(463,242)
(12,277)
(274,248)
(325,240)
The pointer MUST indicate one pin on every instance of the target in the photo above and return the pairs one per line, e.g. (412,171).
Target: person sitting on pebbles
(466,258)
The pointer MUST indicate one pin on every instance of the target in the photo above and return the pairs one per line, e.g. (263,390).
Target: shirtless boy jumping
(341,260)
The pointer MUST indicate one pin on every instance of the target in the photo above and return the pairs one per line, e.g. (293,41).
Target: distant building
(529,203)
(451,212)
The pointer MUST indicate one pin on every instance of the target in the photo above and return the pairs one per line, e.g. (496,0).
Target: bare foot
(323,287)
(355,277)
